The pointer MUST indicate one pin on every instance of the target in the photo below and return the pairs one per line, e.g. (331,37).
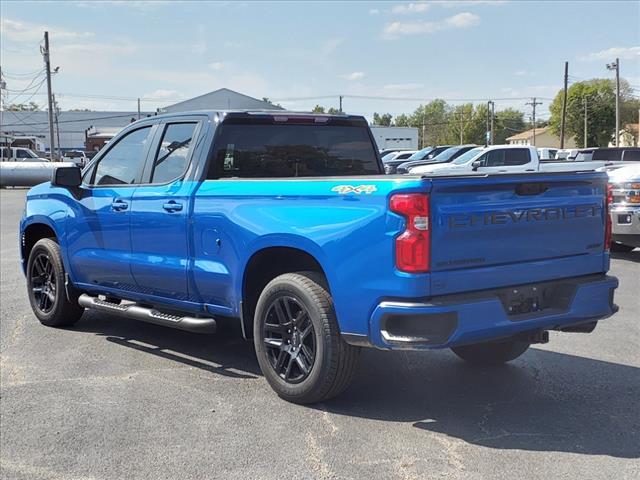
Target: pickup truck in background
(286,223)
(20,154)
(503,159)
(624,189)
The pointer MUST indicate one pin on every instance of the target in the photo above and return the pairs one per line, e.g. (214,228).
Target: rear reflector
(413,246)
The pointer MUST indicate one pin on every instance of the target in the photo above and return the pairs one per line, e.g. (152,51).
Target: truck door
(507,160)
(99,242)
(160,212)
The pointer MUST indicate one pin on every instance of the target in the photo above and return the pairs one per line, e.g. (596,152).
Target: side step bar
(136,312)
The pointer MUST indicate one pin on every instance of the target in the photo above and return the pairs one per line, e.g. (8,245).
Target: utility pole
(57,112)
(616,66)
(564,103)
(47,64)
(585,121)
(340,100)
(493,115)
(487,132)
(461,122)
(138,109)
(3,86)
(534,103)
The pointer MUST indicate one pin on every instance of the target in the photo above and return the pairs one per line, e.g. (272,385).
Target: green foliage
(600,94)
(318,109)
(24,107)
(384,119)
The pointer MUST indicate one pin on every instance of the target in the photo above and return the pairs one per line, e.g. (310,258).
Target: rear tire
(297,340)
(46,286)
(491,353)
(619,247)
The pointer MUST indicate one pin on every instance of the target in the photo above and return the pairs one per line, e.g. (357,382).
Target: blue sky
(288,51)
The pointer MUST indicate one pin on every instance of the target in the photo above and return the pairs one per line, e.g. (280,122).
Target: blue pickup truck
(286,223)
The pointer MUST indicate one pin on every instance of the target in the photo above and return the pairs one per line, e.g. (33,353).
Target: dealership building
(79,129)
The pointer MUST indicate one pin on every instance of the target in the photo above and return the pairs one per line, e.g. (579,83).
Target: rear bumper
(625,223)
(450,320)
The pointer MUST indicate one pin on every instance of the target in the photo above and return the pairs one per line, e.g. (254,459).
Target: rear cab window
(281,150)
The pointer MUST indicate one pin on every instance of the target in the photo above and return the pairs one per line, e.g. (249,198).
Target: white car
(20,154)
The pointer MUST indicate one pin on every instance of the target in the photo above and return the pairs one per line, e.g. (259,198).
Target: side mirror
(67,177)
(475,165)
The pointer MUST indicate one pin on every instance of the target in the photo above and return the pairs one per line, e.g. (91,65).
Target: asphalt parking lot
(118,399)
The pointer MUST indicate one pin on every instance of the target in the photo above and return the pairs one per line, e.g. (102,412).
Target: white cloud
(331,45)
(353,76)
(374,11)
(403,86)
(463,20)
(521,73)
(216,66)
(18,31)
(460,20)
(419,7)
(161,94)
(627,53)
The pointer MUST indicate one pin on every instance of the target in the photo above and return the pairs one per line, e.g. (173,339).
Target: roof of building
(221,99)
(527,134)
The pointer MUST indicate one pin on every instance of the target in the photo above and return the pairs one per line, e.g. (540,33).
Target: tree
(601,110)
(318,109)
(334,111)
(384,119)
(402,120)
(24,107)
(508,122)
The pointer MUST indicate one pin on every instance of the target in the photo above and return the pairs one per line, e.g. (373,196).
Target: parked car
(503,159)
(445,156)
(617,154)
(20,154)
(76,156)
(545,153)
(391,150)
(624,184)
(393,159)
(285,223)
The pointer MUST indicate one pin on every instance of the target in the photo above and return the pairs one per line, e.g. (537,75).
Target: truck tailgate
(503,230)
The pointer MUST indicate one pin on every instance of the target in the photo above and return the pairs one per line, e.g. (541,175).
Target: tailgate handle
(531,188)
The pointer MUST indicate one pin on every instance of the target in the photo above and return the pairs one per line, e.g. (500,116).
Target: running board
(149,315)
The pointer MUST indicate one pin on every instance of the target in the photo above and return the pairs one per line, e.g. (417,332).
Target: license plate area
(526,301)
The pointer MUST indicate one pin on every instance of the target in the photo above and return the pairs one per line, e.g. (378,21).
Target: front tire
(297,340)
(491,353)
(46,286)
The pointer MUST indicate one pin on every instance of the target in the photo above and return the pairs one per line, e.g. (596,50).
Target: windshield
(420,154)
(465,157)
(446,155)
(389,156)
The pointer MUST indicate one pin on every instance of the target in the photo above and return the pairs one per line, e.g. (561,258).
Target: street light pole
(616,66)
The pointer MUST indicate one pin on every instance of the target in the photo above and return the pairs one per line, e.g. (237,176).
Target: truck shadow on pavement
(544,401)
(633,256)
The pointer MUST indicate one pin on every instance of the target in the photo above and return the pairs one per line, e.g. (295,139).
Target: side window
(120,164)
(516,156)
(171,158)
(495,158)
(20,153)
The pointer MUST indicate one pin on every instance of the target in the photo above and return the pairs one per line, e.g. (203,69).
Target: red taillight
(413,246)
(607,225)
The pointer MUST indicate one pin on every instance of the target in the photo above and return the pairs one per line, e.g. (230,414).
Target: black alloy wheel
(289,339)
(43,283)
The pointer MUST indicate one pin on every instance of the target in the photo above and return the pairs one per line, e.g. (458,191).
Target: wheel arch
(32,231)
(263,266)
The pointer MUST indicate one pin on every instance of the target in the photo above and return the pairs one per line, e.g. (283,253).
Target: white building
(73,125)
(402,138)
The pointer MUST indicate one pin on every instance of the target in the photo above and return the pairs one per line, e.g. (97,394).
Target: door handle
(119,205)
(172,206)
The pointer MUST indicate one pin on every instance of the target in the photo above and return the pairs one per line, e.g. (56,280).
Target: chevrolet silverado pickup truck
(286,223)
